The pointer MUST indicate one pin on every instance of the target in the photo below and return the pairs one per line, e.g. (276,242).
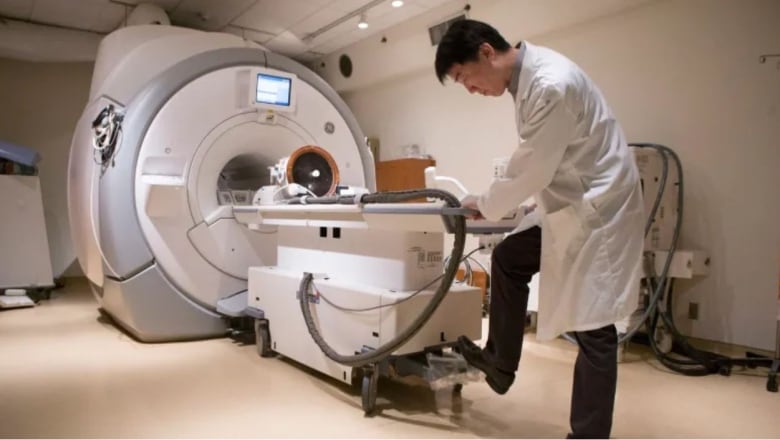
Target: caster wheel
(771,384)
(724,370)
(530,320)
(369,389)
(263,338)
(457,388)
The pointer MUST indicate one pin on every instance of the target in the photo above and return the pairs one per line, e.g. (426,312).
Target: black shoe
(571,435)
(499,381)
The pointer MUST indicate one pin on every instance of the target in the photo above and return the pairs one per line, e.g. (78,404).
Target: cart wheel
(369,389)
(771,384)
(263,338)
(457,388)
(531,320)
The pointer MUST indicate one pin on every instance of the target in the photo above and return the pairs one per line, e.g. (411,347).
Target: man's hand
(470,202)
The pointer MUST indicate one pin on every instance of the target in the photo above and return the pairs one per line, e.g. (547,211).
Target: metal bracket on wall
(763,58)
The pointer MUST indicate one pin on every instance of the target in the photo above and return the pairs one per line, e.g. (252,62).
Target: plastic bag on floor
(449,369)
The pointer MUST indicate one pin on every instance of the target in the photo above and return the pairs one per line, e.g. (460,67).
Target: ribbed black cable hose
(699,362)
(384,350)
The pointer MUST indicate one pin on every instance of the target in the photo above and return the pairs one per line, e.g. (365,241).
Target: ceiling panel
(383,8)
(309,56)
(248,34)
(340,32)
(21,9)
(168,5)
(89,15)
(287,43)
(343,40)
(277,16)
(349,5)
(427,3)
(388,16)
(316,21)
(379,18)
(209,15)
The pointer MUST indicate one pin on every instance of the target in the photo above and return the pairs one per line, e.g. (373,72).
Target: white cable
(106,136)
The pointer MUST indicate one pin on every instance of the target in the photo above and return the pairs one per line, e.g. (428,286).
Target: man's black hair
(461,44)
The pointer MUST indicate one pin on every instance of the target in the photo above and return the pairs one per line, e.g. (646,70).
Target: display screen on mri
(274,90)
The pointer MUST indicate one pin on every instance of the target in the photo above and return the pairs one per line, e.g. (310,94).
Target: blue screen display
(273,89)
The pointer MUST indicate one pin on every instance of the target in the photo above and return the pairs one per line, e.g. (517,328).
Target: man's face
(480,76)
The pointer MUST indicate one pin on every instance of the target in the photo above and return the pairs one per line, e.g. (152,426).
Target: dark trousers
(515,260)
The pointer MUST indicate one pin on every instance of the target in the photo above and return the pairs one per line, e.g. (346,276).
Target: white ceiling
(280,25)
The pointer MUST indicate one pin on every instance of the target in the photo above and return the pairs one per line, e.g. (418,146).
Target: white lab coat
(573,158)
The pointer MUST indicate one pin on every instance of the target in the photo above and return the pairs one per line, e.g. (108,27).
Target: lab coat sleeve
(548,130)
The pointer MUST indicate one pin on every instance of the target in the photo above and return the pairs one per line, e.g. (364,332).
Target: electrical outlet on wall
(499,167)
(693,310)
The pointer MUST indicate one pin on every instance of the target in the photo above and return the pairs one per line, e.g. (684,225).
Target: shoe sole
(494,386)
(499,389)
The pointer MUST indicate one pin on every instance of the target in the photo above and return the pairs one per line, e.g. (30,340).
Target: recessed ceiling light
(363,24)
(397,3)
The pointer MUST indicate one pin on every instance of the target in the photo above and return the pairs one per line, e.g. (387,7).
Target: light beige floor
(66,373)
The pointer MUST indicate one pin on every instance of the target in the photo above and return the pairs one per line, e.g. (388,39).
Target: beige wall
(39,106)
(684,73)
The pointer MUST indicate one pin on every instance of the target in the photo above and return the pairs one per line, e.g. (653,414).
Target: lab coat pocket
(567,233)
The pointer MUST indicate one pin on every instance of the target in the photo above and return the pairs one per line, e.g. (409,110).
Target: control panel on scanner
(273,90)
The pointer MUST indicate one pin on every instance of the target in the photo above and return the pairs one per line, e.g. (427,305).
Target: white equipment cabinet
(370,259)
(360,259)
(25,261)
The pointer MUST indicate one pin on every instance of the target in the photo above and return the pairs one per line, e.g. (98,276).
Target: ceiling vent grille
(436,32)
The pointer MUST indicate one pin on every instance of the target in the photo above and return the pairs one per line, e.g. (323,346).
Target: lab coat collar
(526,73)
(516,70)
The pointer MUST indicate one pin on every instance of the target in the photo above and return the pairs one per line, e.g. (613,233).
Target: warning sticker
(426,258)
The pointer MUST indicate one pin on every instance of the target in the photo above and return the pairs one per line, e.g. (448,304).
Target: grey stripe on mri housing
(134,281)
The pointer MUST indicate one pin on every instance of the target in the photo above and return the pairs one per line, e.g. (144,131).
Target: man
(573,158)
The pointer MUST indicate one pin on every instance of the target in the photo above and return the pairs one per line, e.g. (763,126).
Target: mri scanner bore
(212,182)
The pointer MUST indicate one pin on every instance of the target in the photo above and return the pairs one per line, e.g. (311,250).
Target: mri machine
(197,177)
(151,225)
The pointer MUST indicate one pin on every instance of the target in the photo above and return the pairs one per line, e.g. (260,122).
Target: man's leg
(514,262)
(595,382)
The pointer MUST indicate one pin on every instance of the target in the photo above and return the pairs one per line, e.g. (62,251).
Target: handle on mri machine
(516,220)
(431,180)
